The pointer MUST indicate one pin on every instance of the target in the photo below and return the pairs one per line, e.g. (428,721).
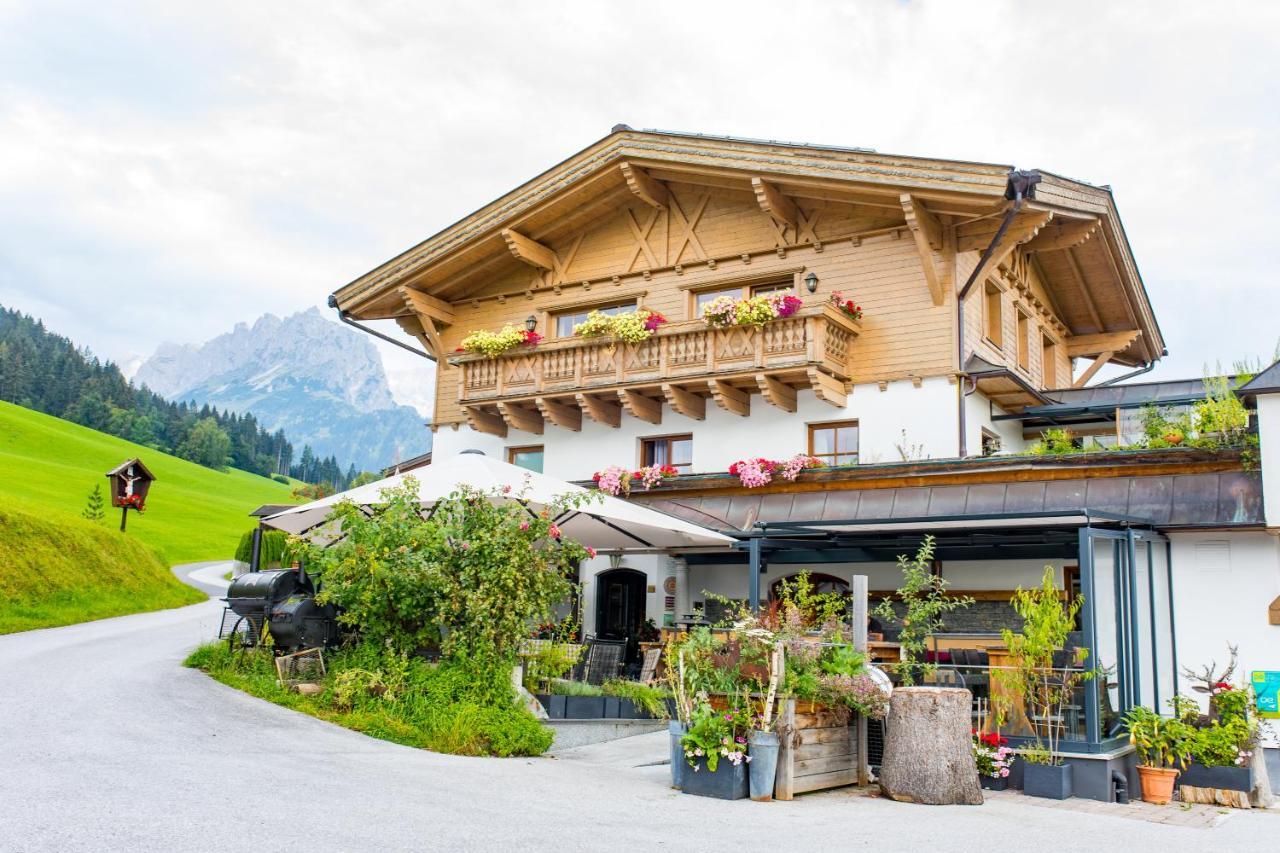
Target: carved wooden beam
(1063,234)
(684,402)
(828,389)
(482,421)
(518,417)
(422,329)
(640,406)
(776,393)
(1020,231)
(560,414)
(1082,345)
(601,411)
(649,190)
(775,204)
(531,252)
(928,235)
(1097,365)
(427,305)
(729,398)
(1077,275)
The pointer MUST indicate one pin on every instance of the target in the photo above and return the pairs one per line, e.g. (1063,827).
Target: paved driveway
(108,743)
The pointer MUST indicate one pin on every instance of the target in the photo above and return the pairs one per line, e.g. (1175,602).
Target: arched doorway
(620,606)
(820,583)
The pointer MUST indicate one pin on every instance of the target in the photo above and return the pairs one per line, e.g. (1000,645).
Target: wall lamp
(531,322)
(811,282)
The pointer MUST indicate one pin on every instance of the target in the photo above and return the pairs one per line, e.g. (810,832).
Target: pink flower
(554,532)
(524,525)
(506,490)
(591,552)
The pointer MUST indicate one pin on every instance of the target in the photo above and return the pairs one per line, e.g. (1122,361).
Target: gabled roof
(1072,227)
(1266,382)
(136,463)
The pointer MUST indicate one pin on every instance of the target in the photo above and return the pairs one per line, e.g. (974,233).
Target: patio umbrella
(606,523)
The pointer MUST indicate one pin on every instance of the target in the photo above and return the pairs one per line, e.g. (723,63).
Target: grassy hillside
(58,570)
(48,465)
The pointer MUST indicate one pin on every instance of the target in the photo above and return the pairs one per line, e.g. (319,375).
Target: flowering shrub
(991,754)
(132,502)
(714,735)
(616,480)
(490,344)
(759,471)
(754,311)
(848,306)
(632,327)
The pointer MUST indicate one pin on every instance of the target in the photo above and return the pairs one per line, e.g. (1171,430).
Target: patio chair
(649,665)
(604,659)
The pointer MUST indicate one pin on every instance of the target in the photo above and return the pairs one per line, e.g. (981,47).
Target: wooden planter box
(818,748)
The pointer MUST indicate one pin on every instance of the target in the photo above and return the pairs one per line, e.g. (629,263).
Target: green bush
(446,708)
(280,478)
(276,548)
(652,699)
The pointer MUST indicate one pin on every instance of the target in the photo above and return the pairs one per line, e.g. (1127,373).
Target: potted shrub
(715,749)
(1161,745)
(1032,683)
(993,756)
(1221,743)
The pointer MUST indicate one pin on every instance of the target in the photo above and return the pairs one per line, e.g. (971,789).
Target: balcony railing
(816,338)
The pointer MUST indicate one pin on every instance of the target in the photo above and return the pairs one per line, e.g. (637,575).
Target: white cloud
(168,170)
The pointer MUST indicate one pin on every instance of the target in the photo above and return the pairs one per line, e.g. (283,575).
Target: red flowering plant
(616,480)
(848,306)
(132,502)
(992,754)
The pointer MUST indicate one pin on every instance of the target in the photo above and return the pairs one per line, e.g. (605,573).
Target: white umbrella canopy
(606,523)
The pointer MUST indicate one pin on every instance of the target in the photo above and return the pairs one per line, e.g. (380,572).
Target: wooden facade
(653,218)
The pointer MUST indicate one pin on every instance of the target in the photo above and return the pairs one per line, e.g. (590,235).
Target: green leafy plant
(509,337)
(714,735)
(1032,678)
(1055,442)
(1159,741)
(653,700)
(925,597)
(630,326)
(565,687)
(275,549)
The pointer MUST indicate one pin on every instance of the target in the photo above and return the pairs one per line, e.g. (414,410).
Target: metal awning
(937,524)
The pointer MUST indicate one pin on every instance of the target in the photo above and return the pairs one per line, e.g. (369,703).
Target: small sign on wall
(1266,691)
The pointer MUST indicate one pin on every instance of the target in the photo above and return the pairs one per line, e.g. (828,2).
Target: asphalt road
(108,743)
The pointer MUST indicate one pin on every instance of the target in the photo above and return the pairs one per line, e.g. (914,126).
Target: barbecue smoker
(284,601)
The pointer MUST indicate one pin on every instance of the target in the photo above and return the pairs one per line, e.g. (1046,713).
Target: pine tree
(93,508)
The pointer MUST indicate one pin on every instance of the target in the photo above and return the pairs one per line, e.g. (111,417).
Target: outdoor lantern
(531,322)
(811,282)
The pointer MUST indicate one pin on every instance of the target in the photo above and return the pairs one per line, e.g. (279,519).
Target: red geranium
(531,338)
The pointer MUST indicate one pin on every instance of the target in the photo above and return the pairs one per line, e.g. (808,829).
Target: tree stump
(928,752)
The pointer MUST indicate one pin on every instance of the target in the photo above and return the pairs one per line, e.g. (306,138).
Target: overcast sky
(169,169)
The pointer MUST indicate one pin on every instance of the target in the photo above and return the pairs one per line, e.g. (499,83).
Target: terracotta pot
(1157,784)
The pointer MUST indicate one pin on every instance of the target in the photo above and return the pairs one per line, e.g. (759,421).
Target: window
(990,443)
(526,457)
(566,321)
(992,315)
(1024,340)
(1049,361)
(834,443)
(673,450)
(702,297)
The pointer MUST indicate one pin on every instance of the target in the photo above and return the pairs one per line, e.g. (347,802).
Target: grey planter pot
(675,731)
(728,782)
(584,707)
(553,704)
(1050,781)
(1227,778)
(762,771)
(612,707)
(994,783)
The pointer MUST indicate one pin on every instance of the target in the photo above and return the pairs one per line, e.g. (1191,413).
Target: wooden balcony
(682,365)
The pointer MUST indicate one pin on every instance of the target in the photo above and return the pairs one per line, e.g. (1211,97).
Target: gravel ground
(108,743)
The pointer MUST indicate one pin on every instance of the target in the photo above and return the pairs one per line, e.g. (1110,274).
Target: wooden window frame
(1048,360)
(835,425)
(1022,338)
(683,468)
(989,290)
(549,317)
(990,434)
(526,448)
(744,286)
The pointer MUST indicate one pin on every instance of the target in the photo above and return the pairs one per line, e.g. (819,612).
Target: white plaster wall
(978,413)
(1219,601)
(927,414)
(1269,440)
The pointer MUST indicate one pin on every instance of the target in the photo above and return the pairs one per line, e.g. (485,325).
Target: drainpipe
(342,315)
(1141,370)
(1021,186)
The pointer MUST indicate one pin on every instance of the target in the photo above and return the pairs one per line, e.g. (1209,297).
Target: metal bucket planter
(763,769)
(994,783)
(1050,781)
(675,731)
(728,782)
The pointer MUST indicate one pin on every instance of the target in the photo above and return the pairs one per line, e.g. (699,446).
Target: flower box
(994,783)
(553,704)
(728,782)
(1224,778)
(584,707)
(1050,781)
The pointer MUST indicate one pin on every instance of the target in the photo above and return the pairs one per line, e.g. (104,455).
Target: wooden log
(928,757)
(1214,796)
(784,784)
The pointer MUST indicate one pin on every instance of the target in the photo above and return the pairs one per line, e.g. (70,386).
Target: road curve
(108,743)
